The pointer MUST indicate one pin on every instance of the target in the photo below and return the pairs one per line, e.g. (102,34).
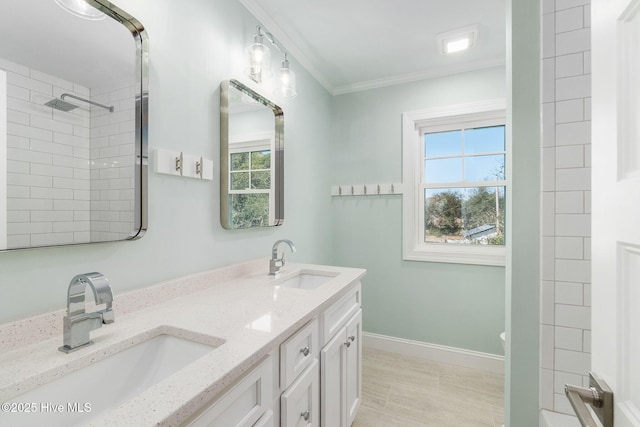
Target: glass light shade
(258,57)
(81,9)
(286,81)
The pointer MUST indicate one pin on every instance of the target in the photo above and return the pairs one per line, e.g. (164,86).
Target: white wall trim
(413,247)
(286,41)
(417,76)
(298,50)
(438,353)
(3,157)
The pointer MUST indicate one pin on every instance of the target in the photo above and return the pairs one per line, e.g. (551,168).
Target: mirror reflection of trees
(250,178)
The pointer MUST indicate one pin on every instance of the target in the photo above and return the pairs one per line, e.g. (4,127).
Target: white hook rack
(366,189)
(181,164)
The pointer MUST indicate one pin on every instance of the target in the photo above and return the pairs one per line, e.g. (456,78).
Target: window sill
(474,255)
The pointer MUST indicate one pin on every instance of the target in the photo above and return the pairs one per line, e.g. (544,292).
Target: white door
(616,203)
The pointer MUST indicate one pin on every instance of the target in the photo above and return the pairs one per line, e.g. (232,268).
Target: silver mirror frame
(278,153)
(141,111)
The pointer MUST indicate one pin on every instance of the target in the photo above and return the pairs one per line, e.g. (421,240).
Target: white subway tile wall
(62,164)
(565,314)
(43,156)
(112,164)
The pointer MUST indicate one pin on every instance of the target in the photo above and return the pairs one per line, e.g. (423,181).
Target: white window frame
(255,142)
(413,124)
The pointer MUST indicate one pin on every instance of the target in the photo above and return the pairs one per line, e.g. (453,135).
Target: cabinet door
(244,404)
(332,386)
(300,404)
(354,366)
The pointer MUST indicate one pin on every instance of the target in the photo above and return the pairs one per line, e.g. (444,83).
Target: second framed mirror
(251,158)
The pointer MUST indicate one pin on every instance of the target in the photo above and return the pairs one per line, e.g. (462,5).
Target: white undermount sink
(307,280)
(81,395)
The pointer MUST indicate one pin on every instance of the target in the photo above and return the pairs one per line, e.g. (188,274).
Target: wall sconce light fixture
(258,56)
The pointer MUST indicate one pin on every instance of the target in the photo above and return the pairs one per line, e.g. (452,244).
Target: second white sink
(306,280)
(76,398)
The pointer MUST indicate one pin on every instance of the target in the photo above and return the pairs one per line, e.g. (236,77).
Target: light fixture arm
(269,36)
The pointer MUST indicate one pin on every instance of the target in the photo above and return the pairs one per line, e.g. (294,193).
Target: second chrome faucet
(276,264)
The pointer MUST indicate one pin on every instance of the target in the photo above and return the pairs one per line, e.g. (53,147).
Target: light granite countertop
(240,304)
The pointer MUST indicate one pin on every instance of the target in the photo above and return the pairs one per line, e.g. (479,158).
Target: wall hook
(199,167)
(179,164)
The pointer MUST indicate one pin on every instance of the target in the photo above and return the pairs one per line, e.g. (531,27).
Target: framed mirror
(73,124)
(251,158)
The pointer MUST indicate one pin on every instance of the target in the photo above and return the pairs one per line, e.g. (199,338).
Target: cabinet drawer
(300,404)
(297,353)
(336,316)
(244,404)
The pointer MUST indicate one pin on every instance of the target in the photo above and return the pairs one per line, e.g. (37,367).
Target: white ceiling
(358,44)
(41,35)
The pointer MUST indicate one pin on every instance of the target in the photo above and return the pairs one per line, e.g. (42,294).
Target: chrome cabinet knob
(347,343)
(352,338)
(305,415)
(305,351)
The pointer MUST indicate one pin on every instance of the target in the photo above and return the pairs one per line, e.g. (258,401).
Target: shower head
(61,105)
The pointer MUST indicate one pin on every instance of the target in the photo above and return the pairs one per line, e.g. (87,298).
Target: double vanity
(228,347)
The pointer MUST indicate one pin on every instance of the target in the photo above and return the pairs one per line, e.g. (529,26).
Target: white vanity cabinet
(246,404)
(341,362)
(300,378)
(313,379)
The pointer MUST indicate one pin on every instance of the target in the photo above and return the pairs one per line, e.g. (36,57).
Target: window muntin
(475,119)
(462,190)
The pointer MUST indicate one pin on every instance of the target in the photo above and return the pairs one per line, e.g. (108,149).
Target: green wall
(523,207)
(447,304)
(194,45)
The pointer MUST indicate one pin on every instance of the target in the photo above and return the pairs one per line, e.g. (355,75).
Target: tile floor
(403,391)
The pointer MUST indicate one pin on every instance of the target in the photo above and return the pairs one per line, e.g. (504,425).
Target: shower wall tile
(111,157)
(568,338)
(42,163)
(570,65)
(566,198)
(573,133)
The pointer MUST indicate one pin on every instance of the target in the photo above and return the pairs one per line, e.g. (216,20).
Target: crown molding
(299,53)
(417,76)
(286,41)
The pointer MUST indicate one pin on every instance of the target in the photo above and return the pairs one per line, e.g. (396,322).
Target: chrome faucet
(77,323)
(277,263)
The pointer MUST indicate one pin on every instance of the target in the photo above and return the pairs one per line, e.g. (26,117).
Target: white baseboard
(438,353)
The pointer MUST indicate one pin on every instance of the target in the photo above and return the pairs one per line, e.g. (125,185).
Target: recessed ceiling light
(457,40)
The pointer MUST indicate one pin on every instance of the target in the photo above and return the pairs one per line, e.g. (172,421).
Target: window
(455,184)
(250,178)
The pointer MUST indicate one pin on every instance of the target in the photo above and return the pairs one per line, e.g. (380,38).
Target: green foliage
(449,213)
(442,214)
(249,210)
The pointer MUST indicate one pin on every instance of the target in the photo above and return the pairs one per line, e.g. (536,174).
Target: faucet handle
(107,315)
